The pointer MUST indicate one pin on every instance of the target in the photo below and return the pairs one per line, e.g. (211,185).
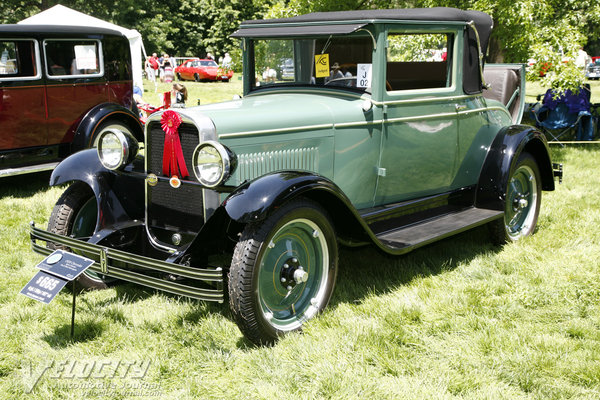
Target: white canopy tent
(61,15)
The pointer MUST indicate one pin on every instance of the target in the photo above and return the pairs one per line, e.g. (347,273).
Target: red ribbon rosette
(173,161)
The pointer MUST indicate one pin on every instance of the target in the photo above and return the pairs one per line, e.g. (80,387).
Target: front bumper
(138,269)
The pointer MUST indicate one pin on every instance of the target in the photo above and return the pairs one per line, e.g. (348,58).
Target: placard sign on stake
(44,287)
(57,269)
(65,265)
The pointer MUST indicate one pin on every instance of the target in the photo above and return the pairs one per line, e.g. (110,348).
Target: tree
(180,27)
(549,31)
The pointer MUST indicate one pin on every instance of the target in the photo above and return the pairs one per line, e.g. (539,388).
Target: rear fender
(87,129)
(503,154)
(119,196)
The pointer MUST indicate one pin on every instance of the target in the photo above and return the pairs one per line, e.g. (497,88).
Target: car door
(420,126)
(75,83)
(188,70)
(22,96)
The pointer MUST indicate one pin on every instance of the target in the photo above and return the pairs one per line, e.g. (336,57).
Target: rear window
(19,59)
(73,58)
(419,61)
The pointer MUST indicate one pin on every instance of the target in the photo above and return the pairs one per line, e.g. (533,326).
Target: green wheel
(522,202)
(283,271)
(75,214)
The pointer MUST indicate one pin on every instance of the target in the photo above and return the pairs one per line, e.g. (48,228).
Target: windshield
(206,63)
(341,62)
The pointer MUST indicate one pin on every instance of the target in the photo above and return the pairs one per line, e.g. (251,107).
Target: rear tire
(523,196)
(75,214)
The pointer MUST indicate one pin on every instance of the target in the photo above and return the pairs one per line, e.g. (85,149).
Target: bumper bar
(557,170)
(106,259)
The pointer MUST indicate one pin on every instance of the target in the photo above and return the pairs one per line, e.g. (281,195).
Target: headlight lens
(213,163)
(116,148)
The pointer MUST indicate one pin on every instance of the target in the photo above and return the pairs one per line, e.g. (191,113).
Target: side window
(18,59)
(419,61)
(73,58)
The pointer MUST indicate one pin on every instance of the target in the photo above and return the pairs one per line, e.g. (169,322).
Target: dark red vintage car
(202,70)
(60,87)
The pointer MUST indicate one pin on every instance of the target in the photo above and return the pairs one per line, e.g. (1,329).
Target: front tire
(196,77)
(522,202)
(283,271)
(75,215)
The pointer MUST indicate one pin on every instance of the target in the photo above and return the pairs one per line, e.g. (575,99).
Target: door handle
(460,107)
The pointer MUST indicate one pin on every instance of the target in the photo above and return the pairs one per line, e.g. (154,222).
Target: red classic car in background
(202,70)
(60,87)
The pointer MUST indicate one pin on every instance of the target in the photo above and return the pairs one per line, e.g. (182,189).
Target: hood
(280,111)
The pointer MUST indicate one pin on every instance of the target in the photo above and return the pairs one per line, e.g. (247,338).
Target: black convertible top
(279,27)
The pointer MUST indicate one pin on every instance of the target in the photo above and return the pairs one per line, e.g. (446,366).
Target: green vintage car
(383,132)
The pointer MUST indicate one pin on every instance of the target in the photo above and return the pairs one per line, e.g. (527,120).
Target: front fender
(504,152)
(119,196)
(253,201)
(85,132)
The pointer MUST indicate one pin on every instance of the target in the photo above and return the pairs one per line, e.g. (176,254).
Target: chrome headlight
(213,163)
(116,148)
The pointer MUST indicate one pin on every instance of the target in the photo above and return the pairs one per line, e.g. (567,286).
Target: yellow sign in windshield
(321,65)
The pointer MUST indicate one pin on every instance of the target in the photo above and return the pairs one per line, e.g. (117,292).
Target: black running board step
(420,234)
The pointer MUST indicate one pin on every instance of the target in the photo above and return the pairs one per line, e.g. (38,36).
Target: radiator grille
(182,208)
(253,165)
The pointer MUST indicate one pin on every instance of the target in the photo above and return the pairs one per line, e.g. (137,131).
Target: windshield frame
(253,73)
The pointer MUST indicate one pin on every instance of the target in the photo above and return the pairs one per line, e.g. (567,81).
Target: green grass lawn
(206,92)
(457,319)
(460,318)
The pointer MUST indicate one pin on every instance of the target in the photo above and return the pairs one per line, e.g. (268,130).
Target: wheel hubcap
(292,277)
(520,202)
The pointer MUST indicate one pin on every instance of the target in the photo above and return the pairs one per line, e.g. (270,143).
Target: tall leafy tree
(549,31)
(179,27)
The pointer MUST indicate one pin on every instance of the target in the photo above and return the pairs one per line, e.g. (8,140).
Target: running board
(417,235)
(27,170)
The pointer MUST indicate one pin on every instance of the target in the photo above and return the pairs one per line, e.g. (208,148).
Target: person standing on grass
(227,61)
(168,69)
(179,91)
(152,69)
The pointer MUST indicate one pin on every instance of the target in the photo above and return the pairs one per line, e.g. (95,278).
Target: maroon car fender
(94,118)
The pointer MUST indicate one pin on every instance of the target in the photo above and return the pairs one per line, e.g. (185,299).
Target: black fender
(119,196)
(253,201)
(86,130)
(504,152)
